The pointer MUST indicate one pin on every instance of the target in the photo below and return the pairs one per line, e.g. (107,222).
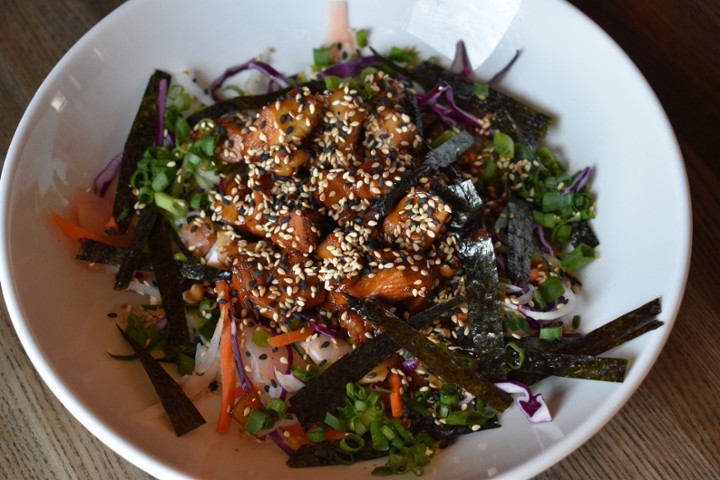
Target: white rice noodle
(567,308)
(144,288)
(324,349)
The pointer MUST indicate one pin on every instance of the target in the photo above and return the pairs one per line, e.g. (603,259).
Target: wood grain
(669,429)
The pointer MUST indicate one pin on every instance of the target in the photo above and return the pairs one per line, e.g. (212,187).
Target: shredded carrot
(228,373)
(295,430)
(294,336)
(77,233)
(396,403)
(332,434)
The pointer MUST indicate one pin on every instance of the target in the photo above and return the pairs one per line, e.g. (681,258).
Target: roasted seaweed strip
(481,280)
(98,252)
(613,333)
(169,282)
(324,454)
(327,390)
(142,136)
(582,232)
(589,367)
(520,239)
(437,360)
(438,158)
(183,414)
(131,260)
(484,318)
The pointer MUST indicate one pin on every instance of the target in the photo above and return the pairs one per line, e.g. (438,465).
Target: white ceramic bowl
(607,116)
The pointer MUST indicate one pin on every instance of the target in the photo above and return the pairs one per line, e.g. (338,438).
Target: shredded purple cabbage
(580,181)
(503,71)
(461,62)
(244,380)
(409,366)
(313,323)
(533,406)
(161,103)
(253,64)
(102,180)
(351,67)
(448,114)
(544,245)
(278,439)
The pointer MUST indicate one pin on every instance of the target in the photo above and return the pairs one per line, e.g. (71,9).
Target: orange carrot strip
(295,430)
(228,374)
(396,403)
(294,336)
(332,434)
(76,232)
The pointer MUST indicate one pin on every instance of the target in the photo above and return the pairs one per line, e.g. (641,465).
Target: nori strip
(484,317)
(481,280)
(438,158)
(520,238)
(323,454)
(439,361)
(183,414)
(132,257)
(467,207)
(247,102)
(141,136)
(614,333)
(574,366)
(98,252)
(582,232)
(511,115)
(327,390)
(169,282)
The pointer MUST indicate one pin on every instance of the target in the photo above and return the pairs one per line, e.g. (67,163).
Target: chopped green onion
(352,443)
(379,441)
(402,55)
(316,435)
(580,256)
(278,406)
(174,206)
(321,56)
(258,421)
(442,138)
(555,201)
(514,360)
(388,432)
(550,333)
(481,90)
(357,425)
(343,457)
(335,422)
(260,338)
(361,37)
(303,374)
(332,82)
(504,145)
(551,289)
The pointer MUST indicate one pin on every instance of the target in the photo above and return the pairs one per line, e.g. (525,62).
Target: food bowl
(606,116)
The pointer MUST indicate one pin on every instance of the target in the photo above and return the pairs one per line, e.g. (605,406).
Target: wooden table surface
(669,429)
